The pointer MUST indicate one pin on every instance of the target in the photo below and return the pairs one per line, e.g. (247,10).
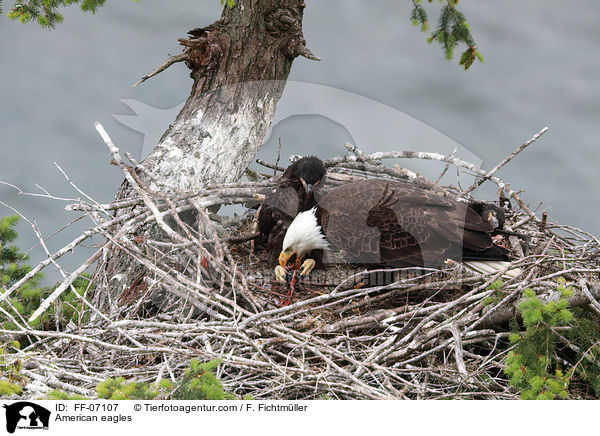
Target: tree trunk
(239,65)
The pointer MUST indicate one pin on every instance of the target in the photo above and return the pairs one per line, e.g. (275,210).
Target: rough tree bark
(239,66)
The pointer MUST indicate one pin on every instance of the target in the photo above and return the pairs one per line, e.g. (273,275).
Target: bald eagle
(389,223)
(295,193)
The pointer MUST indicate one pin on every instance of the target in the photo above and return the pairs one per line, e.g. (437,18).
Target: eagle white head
(303,235)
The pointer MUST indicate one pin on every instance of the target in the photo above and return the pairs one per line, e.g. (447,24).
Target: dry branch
(170,61)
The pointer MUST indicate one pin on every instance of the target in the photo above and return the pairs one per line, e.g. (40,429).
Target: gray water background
(542,68)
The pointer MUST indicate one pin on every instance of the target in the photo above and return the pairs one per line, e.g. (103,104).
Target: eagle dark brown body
(397,224)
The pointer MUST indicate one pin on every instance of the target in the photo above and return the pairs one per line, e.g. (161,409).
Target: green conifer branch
(46,12)
(198,382)
(532,365)
(418,16)
(451,31)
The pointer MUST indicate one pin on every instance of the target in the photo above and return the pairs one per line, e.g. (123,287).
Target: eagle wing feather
(395,223)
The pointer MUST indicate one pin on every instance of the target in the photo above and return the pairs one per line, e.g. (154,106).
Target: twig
(278,157)
(458,351)
(445,170)
(505,160)
(269,165)
(170,61)
(592,300)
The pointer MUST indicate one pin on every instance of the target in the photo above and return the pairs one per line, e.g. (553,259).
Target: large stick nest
(204,294)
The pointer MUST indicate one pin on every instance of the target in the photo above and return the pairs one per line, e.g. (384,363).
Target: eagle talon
(280,274)
(307,266)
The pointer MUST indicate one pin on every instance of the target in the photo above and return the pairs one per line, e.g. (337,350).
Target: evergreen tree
(45,12)
(13,264)
(452,28)
(533,365)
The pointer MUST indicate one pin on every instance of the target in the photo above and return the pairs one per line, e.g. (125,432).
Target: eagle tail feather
(491,267)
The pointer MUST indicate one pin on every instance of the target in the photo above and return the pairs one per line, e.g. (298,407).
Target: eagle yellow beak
(284,257)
